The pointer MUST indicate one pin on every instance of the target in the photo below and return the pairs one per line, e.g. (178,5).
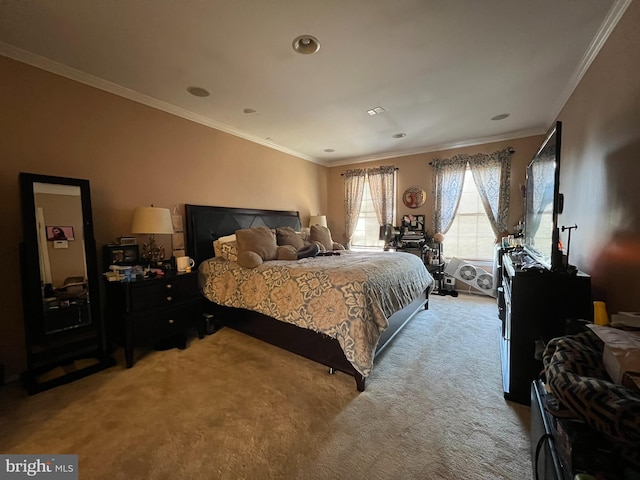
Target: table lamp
(318,220)
(152,221)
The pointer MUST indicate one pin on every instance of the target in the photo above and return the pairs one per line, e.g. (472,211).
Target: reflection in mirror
(61,248)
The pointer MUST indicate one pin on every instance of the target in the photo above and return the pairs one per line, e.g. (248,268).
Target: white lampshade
(152,220)
(318,220)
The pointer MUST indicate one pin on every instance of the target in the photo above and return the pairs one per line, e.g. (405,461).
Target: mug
(184,264)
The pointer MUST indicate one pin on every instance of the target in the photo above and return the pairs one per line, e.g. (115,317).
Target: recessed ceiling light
(329,150)
(502,116)
(399,135)
(306,44)
(375,111)
(198,91)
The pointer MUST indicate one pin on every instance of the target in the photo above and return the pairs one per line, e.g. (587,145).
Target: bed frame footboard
(308,343)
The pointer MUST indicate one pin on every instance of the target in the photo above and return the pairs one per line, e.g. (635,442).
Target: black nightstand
(153,310)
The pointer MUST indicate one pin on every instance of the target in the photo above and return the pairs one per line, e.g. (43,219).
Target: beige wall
(601,168)
(133,155)
(415,170)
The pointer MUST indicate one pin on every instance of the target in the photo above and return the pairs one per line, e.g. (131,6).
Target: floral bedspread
(347,297)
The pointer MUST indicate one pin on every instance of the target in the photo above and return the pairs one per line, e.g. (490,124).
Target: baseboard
(4,380)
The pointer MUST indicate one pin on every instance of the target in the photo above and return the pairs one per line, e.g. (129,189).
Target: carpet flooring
(232,407)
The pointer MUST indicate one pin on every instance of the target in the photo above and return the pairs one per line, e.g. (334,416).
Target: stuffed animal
(258,244)
(322,236)
(288,236)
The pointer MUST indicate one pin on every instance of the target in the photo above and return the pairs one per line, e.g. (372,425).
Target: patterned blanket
(347,297)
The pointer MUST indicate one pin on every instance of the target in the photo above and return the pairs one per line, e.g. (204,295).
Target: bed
(338,310)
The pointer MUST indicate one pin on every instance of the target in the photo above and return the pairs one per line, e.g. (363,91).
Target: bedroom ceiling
(440,69)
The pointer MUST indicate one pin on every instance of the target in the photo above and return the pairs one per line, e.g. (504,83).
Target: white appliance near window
(470,274)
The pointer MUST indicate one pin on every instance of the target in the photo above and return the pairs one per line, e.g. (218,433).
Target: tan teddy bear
(304,249)
(322,236)
(258,244)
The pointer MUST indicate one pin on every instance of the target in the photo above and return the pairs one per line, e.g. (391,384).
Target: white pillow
(217,244)
(226,250)
(228,238)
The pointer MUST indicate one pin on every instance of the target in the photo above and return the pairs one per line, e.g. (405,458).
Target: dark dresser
(153,310)
(537,304)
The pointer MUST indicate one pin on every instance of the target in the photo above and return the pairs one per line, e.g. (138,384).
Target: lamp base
(152,253)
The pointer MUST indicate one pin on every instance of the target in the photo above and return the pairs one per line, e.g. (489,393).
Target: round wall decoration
(414,197)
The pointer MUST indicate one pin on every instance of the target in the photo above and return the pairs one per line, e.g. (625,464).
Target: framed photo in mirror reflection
(59,233)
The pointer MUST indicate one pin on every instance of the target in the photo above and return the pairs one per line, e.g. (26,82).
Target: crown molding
(101,84)
(611,20)
(442,147)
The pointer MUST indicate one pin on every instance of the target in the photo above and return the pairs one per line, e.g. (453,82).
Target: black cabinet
(153,309)
(537,305)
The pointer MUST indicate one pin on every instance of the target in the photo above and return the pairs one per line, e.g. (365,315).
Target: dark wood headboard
(204,224)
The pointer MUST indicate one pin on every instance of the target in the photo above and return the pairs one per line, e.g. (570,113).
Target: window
(470,236)
(367,231)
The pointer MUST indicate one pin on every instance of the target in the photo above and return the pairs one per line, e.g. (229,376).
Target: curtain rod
(395,168)
(511,150)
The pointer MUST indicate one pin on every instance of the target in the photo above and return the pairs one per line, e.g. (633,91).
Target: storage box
(621,351)
(618,361)
(625,320)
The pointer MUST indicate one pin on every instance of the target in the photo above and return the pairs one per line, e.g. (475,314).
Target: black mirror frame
(41,353)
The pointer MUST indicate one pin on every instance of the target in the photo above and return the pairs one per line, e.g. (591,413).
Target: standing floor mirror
(64,331)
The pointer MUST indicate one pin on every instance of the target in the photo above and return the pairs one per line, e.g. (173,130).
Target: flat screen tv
(544,203)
